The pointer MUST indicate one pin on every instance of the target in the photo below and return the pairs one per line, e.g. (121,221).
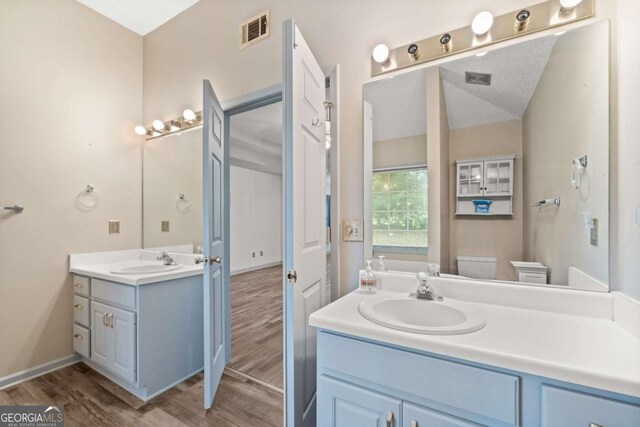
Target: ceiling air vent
(477,78)
(254,29)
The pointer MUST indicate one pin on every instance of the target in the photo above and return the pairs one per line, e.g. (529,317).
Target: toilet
(477,267)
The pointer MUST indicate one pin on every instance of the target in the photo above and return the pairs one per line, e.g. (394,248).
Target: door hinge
(292,276)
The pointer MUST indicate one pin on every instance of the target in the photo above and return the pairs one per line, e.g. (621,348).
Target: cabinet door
(498,178)
(417,416)
(470,179)
(100,333)
(341,404)
(123,343)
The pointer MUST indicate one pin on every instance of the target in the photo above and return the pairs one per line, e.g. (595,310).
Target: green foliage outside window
(400,208)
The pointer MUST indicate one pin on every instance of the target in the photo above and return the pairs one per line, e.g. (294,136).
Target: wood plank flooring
(90,399)
(256,325)
(256,320)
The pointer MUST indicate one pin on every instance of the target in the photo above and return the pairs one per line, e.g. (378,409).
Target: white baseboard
(37,371)
(255,267)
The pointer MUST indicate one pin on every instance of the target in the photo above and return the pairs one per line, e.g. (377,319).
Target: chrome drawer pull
(79,306)
(414,423)
(110,320)
(79,285)
(78,337)
(104,319)
(389,419)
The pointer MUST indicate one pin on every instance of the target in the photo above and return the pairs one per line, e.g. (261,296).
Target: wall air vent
(254,29)
(477,78)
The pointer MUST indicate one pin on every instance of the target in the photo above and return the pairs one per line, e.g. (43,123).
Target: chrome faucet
(166,259)
(424,291)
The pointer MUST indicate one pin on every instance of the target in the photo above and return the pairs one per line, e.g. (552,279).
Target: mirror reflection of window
(399,204)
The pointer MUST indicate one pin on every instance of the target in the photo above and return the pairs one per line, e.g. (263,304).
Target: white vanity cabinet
(146,338)
(486,178)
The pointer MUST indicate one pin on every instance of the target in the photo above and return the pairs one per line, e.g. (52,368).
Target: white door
(123,343)
(214,243)
(304,221)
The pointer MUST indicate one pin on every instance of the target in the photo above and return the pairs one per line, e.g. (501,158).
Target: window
(399,218)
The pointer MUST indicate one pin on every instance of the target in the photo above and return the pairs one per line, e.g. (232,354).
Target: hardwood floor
(256,325)
(90,399)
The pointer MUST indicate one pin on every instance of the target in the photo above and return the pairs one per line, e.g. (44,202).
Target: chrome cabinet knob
(389,419)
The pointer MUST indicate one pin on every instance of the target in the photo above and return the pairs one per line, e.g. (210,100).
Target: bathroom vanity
(137,321)
(534,363)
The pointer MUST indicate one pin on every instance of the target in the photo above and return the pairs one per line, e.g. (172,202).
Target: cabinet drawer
(81,340)
(81,285)
(475,390)
(417,416)
(565,408)
(81,310)
(114,293)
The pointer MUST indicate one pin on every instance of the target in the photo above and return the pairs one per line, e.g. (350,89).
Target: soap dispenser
(368,280)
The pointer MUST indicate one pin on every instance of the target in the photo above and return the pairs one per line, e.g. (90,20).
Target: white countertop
(101,264)
(591,351)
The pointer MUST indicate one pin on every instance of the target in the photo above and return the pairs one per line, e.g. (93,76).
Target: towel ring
(182,204)
(88,199)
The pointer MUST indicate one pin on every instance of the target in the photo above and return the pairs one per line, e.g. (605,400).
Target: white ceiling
(256,139)
(140,16)
(399,105)
(515,73)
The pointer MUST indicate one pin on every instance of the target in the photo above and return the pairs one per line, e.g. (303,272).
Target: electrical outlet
(114,226)
(352,230)
(261,253)
(164,226)
(253,254)
(593,235)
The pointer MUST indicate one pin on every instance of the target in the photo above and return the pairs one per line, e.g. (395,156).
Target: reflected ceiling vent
(477,78)
(255,29)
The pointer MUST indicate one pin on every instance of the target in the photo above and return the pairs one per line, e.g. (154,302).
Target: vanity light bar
(550,14)
(158,128)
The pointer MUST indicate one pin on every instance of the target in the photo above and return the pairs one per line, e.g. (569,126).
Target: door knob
(217,260)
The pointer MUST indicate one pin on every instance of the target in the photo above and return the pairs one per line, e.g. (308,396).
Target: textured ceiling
(515,73)
(399,105)
(264,122)
(140,16)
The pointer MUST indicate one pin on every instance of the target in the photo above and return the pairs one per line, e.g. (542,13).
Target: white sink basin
(147,269)
(421,316)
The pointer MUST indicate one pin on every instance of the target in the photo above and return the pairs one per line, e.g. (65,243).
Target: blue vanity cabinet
(366,383)
(343,404)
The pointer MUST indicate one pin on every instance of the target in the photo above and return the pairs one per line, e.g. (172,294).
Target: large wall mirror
(496,165)
(172,192)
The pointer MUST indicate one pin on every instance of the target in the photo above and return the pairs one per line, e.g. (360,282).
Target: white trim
(255,380)
(37,371)
(255,268)
(252,97)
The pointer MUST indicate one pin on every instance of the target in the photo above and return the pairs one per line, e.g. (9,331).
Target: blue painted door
(215,240)
(304,221)
(341,405)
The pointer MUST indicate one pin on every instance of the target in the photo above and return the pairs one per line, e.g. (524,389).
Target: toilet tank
(477,267)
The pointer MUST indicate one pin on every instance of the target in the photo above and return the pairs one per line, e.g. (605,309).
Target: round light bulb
(158,125)
(381,53)
(569,4)
(482,23)
(189,115)
(140,130)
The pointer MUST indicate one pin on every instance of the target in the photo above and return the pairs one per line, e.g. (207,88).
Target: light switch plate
(114,226)
(593,235)
(164,226)
(352,230)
